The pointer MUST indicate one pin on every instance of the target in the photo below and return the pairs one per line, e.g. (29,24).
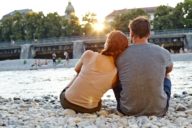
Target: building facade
(149,10)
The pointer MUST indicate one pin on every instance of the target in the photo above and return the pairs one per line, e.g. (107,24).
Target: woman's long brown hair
(116,43)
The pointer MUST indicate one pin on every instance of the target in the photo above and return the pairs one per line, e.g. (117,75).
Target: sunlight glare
(98,26)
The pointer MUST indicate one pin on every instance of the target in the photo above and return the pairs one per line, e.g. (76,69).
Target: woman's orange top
(97,74)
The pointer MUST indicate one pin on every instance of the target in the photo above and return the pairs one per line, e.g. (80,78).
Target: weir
(25,51)
(78,49)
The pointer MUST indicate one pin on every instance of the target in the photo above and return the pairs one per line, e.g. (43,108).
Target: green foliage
(121,21)
(162,18)
(52,25)
(71,26)
(6,25)
(187,11)
(173,18)
(34,25)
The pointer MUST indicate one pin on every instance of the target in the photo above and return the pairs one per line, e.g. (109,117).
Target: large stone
(69,112)
(189,112)
(103,113)
(180,107)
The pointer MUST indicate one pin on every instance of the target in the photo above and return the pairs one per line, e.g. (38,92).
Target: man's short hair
(140,26)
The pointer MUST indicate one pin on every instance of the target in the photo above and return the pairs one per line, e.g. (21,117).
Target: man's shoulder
(157,47)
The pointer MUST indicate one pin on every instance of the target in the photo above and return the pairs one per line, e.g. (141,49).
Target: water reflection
(35,83)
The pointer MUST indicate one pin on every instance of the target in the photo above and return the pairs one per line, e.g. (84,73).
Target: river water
(36,83)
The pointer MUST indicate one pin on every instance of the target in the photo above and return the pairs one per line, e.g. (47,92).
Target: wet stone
(16,98)
(180,107)
(184,93)
(176,95)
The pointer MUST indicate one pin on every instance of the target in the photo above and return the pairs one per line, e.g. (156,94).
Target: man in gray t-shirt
(143,87)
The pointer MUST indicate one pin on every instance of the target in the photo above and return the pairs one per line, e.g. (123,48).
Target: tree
(121,21)
(52,25)
(187,11)
(33,24)
(88,20)
(71,26)
(177,17)
(173,18)
(162,18)
(17,27)
(6,32)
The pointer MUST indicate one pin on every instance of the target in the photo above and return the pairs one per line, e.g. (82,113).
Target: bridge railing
(13,44)
(52,40)
(172,31)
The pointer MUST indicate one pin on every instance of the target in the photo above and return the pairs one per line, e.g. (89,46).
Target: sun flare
(98,27)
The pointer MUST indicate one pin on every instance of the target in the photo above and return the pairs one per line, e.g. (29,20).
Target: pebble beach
(46,112)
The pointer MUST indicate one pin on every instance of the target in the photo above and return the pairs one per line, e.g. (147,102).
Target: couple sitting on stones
(136,72)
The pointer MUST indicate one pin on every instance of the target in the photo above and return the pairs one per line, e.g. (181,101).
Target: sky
(101,7)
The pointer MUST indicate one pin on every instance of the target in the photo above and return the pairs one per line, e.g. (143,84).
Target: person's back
(143,87)
(96,77)
(141,71)
(96,73)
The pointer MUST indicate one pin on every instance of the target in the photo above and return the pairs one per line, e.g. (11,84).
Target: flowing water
(35,83)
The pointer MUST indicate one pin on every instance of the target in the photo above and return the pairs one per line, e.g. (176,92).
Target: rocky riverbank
(46,112)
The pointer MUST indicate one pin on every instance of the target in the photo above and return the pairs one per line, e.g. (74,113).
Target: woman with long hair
(96,74)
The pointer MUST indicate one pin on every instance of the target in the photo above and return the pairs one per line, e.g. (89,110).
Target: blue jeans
(167,88)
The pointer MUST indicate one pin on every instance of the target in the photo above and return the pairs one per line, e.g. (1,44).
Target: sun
(98,27)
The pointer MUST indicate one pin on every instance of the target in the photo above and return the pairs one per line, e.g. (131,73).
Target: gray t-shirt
(141,71)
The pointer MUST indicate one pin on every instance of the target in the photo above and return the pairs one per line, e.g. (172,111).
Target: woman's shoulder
(89,53)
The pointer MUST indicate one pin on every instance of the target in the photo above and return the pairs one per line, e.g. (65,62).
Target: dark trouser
(167,89)
(67,105)
(117,90)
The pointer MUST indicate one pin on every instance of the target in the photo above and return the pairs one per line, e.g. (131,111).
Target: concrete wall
(25,51)
(78,49)
(189,41)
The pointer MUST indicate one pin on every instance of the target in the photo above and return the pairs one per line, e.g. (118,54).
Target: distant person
(54,58)
(96,74)
(143,87)
(66,55)
(34,65)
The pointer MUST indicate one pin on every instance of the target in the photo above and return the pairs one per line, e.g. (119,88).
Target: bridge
(173,40)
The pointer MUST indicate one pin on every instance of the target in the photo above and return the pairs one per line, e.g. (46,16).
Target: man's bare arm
(169,69)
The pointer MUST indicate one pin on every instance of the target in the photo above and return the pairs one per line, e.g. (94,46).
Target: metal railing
(172,31)
(53,40)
